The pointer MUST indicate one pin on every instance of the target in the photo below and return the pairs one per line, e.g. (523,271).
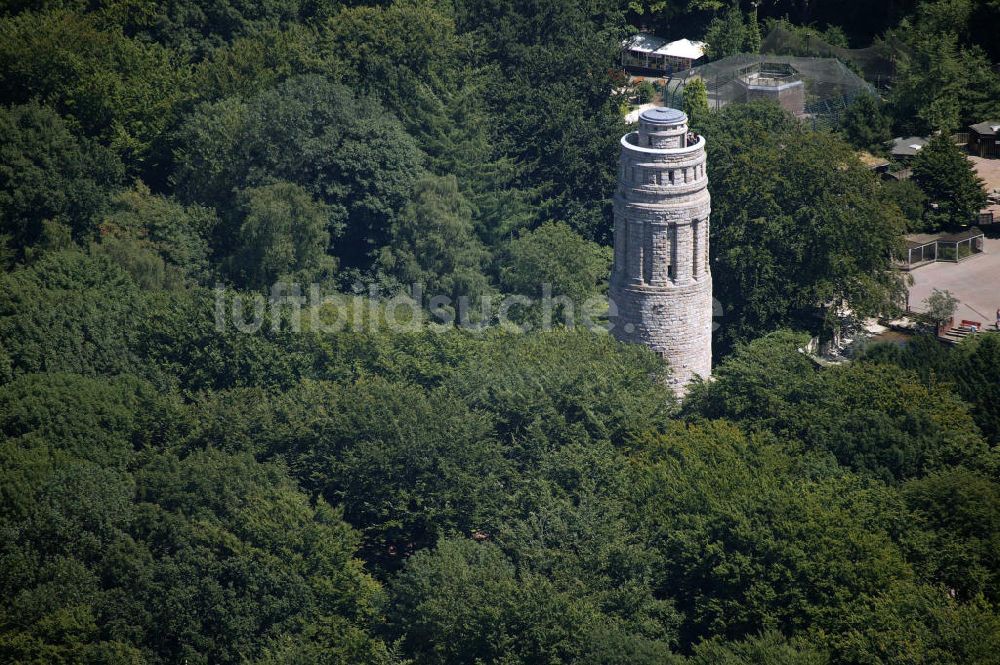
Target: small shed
(990,214)
(903,149)
(984,138)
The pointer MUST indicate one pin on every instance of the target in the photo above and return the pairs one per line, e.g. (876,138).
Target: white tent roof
(644,43)
(683,48)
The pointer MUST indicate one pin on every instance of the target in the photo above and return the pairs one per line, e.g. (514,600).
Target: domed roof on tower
(663,115)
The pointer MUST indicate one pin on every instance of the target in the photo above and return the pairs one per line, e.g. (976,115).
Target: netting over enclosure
(877,63)
(817,88)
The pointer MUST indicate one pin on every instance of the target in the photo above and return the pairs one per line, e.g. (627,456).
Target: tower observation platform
(661,283)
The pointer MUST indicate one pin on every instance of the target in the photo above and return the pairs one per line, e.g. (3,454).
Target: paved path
(988,170)
(633,115)
(975,282)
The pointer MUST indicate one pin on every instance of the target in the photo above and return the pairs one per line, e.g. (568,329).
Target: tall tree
(346,152)
(940,85)
(797,223)
(865,124)
(946,176)
(284,232)
(695,101)
(176,233)
(47,173)
(554,256)
(546,62)
(727,34)
(433,242)
(124,91)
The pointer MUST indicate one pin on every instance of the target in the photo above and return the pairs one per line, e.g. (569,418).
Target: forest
(176,491)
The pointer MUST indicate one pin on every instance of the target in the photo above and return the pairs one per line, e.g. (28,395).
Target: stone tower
(661,283)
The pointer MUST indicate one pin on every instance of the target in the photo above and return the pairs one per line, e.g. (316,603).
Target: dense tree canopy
(49,175)
(797,222)
(197,467)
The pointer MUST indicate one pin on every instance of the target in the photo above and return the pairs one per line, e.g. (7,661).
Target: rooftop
(684,48)
(920,239)
(770,75)
(663,115)
(988,128)
(971,232)
(644,43)
(871,160)
(681,48)
(907,146)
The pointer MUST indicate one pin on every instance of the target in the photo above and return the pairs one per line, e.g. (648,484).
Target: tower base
(675,322)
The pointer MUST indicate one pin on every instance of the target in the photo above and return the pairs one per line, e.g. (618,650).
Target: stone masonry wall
(661,284)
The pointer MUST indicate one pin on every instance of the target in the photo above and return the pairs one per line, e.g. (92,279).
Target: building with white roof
(646,51)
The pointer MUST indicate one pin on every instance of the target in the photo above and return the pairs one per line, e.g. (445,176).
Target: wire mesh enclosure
(815,88)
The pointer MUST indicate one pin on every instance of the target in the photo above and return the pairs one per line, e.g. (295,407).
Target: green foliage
(587,391)
(557,56)
(433,243)
(770,647)
(940,85)
(797,222)
(918,624)
(465,602)
(910,199)
(251,64)
(646,91)
(972,368)
(874,418)
(732,33)
(175,487)
(177,234)
(755,536)
(941,306)
(70,313)
(753,36)
(284,234)
(554,255)
(114,546)
(961,509)
(975,372)
(48,173)
(408,467)
(946,176)
(663,11)
(302,552)
(393,48)
(749,384)
(124,91)
(197,29)
(696,102)
(346,152)
(865,124)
